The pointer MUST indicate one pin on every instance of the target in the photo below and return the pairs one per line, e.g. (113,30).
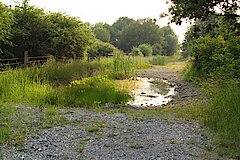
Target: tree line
(29,28)
(127,34)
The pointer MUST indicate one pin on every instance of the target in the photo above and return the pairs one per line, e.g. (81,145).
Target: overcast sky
(109,11)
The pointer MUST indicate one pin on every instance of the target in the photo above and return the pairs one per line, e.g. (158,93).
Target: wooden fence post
(99,58)
(88,58)
(74,57)
(56,57)
(25,58)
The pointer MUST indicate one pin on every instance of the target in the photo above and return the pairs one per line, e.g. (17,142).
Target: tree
(100,48)
(140,32)
(213,26)
(170,45)
(6,21)
(28,32)
(157,49)
(202,9)
(102,32)
(117,28)
(68,35)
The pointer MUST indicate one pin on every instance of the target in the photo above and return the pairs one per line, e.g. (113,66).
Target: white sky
(109,11)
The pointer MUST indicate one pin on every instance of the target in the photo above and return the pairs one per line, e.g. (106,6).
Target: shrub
(100,48)
(145,49)
(136,52)
(216,57)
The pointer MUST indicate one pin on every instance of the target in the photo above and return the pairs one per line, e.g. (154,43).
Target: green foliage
(93,91)
(214,56)
(159,60)
(145,49)
(140,32)
(68,35)
(102,32)
(28,32)
(181,9)
(136,52)
(100,48)
(170,45)
(5,24)
(223,115)
(157,49)
(41,34)
(117,28)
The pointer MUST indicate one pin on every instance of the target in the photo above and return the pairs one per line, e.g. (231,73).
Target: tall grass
(221,111)
(62,73)
(159,60)
(44,85)
(76,84)
(23,85)
(223,115)
(121,66)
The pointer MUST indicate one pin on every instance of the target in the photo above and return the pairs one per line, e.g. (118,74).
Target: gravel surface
(91,135)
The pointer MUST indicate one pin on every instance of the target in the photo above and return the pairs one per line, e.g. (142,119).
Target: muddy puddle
(151,92)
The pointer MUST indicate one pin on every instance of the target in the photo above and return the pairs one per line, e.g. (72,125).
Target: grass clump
(23,85)
(121,66)
(159,60)
(94,91)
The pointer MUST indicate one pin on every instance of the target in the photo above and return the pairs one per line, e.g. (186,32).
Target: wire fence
(27,61)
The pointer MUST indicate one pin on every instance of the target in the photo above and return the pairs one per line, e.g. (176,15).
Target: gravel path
(91,135)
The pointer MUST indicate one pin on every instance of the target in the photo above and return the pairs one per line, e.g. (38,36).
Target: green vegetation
(55,84)
(213,44)
(42,33)
(159,60)
(223,115)
(145,49)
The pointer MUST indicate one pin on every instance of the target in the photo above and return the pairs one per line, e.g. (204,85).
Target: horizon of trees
(29,28)
(127,33)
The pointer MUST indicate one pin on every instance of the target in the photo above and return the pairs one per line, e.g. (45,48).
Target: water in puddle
(151,92)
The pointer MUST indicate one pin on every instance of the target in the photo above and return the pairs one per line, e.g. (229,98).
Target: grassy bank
(220,111)
(223,116)
(76,84)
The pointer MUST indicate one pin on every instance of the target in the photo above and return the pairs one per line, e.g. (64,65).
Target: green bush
(216,57)
(136,52)
(146,49)
(100,48)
